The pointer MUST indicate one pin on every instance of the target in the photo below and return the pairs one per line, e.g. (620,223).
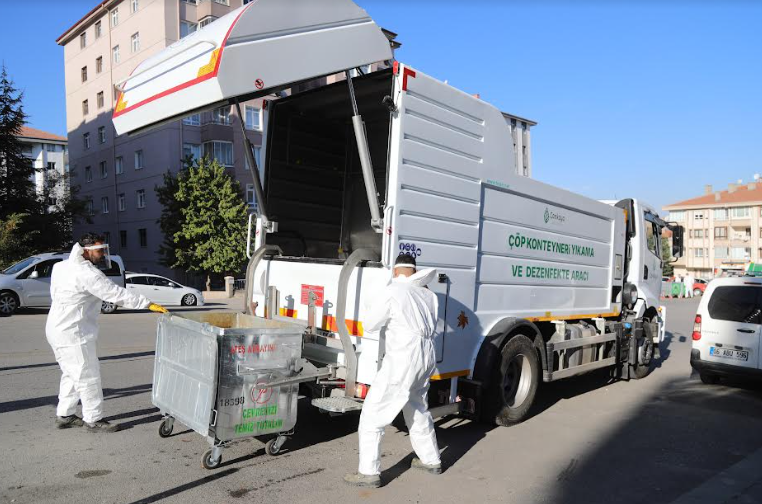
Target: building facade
(117,175)
(723,229)
(49,156)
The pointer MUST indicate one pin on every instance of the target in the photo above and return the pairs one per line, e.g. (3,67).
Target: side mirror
(677,240)
(34,274)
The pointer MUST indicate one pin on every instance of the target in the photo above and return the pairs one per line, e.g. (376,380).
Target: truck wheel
(645,353)
(517,381)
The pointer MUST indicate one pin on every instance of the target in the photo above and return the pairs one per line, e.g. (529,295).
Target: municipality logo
(553,216)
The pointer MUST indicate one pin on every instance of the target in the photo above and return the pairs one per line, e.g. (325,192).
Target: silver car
(162,290)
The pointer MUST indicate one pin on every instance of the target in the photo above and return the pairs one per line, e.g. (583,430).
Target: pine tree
(212,224)
(666,255)
(17,190)
(171,217)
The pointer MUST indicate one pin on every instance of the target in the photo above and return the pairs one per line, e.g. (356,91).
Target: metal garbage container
(208,374)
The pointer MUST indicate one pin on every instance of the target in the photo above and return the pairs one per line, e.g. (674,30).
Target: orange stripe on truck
(285,312)
(353,326)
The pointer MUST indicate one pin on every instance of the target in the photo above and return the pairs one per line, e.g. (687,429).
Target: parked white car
(163,290)
(727,330)
(26,284)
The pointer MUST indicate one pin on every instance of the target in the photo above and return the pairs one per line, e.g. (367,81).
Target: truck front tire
(515,385)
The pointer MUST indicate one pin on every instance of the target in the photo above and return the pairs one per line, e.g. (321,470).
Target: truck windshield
(19,266)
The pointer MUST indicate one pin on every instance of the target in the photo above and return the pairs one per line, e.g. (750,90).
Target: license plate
(729,353)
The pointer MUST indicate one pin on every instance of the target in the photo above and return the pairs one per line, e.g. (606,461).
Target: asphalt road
(657,440)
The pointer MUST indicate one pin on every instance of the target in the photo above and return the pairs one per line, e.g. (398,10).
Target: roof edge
(60,40)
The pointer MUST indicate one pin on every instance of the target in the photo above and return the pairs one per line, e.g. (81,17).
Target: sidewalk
(738,484)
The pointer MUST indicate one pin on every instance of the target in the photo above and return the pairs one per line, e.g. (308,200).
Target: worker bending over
(409,311)
(77,288)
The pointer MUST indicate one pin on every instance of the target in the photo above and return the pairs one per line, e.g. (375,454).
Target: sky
(648,99)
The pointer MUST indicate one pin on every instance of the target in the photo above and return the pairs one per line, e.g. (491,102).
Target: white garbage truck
(535,283)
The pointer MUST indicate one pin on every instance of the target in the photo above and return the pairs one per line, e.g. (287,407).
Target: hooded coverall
(77,289)
(409,311)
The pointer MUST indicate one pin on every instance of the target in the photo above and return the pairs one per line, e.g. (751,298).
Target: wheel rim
(517,381)
(189,299)
(645,352)
(7,304)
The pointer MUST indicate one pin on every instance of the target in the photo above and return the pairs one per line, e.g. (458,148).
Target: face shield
(99,255)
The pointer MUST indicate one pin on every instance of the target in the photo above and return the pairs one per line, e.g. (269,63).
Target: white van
(726,330)
(26,284)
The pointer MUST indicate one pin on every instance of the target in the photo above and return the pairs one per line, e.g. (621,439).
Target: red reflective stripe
(405,74)
(190,82)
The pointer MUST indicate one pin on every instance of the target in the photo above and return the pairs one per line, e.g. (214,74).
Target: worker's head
(404,265)
(96,250)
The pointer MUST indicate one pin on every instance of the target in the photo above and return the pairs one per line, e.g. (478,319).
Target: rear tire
(9,303)
(189,300)
(697,292)
(709,379)
(516,383)
(108,308)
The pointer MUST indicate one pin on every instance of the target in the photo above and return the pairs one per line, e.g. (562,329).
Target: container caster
(273,446)
(212,458)
(166,427)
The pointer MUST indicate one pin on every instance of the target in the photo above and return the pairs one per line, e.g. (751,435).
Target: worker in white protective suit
(77,288)
(408,310)
(688,281)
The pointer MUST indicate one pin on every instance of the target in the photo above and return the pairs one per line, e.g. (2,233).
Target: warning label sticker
(318,290)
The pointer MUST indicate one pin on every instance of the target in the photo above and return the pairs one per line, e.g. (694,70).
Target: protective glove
(157,308)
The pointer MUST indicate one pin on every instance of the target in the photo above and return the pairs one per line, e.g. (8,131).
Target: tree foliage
(204,213)
(33,220)
(666,255)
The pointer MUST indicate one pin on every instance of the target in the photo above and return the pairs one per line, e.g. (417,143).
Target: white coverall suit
(402,383)
(77,288)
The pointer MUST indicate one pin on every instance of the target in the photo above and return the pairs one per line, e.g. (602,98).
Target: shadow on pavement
(37,402)
(186,486)
(102,359)
(681,436)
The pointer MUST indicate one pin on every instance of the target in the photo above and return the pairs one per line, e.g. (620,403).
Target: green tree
(17,190)
(15,244)
(171,217)
(211,228)
(666,254)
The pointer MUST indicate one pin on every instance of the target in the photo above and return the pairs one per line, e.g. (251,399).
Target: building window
(115,17)
(84,74)
(721,232)
(141,194)
(102,134)
(221,151)
(104,169)
(99,64)
(698,216)
(123,238)
(99,99)
(143,236)
(677,215)
(222,2)
(119,165)
(135,42)
(720,214)
(86,140)
(192,2)
(258,156)
(253,118)
(104,205)
(221,115)
(740,213)
(107,236)
(83,40)
(120,202)
(192,150)
(192,120)
(51,166)
(251,196)
(699,252)
(721,252)
(85,107)
(138,159)
(187,28)
(115,53)
(699,233)
(88,174)
(207,20)
(89,207)
(98,29)
(134,5)
(740,252)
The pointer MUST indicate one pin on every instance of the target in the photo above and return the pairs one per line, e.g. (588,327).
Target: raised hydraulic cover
(254,50)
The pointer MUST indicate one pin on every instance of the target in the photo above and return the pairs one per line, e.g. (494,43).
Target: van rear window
(737,304)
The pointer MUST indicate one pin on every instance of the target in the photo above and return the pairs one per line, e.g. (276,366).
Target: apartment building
(723,229)
(117,175)
(49,155)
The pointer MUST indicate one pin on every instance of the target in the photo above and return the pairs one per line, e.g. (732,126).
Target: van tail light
(697,328)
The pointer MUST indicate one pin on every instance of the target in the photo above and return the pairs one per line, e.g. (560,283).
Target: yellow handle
(157,308)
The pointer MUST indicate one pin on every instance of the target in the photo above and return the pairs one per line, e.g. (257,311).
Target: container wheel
(165,428)
(273,446)
(208,462)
